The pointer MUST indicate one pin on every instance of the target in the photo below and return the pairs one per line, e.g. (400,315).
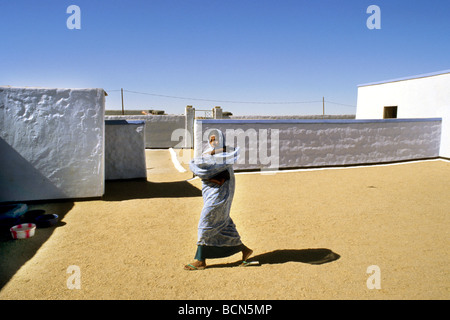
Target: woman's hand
(218,182)
(214,151)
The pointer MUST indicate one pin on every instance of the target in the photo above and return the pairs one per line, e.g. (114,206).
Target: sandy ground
(315,233)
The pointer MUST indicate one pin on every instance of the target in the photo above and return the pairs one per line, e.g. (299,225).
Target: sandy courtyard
(315,233)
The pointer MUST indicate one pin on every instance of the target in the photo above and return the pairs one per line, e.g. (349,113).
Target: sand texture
(315,233)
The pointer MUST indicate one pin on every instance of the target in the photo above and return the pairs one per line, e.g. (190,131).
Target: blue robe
(216,228)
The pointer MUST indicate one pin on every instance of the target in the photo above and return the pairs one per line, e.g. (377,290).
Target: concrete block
(52,143)
(125,150)
(161,131)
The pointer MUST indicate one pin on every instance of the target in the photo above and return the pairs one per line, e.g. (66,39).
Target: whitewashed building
(421,96)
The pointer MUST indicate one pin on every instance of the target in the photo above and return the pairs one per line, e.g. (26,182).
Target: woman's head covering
(219,139)
(209,165)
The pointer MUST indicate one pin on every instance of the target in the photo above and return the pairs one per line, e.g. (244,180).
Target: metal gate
(203,114)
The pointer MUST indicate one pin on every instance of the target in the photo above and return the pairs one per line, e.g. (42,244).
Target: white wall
(426,96)
(125,150)
(316,143)
(158,129)
(52,143)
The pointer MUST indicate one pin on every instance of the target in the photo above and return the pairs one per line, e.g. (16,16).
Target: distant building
(421,96)
(134,112)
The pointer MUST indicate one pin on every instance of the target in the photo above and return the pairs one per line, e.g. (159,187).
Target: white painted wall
(51,143)
(158,129)
(125,150)
(424,96)
(176,131)
(316,143)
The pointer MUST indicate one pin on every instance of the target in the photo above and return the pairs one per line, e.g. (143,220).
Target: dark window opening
(390,113)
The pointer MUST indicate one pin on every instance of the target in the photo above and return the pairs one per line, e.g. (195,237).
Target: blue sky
(228,51)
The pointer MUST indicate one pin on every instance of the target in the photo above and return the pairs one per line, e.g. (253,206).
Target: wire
(229,101)
(341,104)
(213,100)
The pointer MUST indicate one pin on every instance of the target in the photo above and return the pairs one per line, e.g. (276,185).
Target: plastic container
(46,220)
(23,231)
(13,210)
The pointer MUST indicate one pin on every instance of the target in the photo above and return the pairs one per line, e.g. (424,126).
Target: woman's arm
(220,178)
(214,151)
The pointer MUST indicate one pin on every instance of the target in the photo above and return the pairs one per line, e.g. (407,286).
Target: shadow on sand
(15,253)
(119,190)
(309,256)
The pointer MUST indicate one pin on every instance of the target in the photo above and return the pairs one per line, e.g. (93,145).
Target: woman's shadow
(310,256)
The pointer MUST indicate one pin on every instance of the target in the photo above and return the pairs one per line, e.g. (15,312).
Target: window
(390,113)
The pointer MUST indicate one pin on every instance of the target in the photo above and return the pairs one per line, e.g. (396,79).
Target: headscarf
(209,165)
(219,141)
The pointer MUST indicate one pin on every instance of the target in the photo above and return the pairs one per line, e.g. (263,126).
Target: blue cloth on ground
(216,228)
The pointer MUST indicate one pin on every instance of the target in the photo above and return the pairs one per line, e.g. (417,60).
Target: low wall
(291,117)
(278,144)
(176,131)
(125,150)
(158,129)
(52,143)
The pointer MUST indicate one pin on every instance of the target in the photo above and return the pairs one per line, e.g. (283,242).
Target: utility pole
(323,107)
(123,111)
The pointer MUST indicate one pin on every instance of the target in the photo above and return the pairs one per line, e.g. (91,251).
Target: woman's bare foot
(246,253)
(196,265)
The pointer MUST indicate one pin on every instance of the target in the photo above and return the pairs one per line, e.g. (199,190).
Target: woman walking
(217,233)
